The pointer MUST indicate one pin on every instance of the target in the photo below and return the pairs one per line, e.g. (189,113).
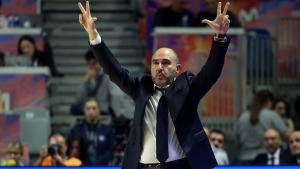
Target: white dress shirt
(275,156)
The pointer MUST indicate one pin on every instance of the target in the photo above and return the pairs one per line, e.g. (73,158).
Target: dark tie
(162,153)
(272,159)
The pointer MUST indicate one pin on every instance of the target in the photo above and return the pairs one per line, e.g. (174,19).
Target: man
(97,138)
(294,144)
(55,154)
(166,131)
(275,155)
(14,152)
(216,138)
(176,15)
(210,14)
(96,84)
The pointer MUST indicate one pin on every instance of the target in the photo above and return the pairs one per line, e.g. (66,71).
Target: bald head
(272,140)
(164,66)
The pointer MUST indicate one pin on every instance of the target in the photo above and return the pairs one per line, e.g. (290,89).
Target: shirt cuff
(96,41)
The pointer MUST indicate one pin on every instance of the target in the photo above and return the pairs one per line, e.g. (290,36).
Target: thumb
(206,21)
(210,23)
(94,19)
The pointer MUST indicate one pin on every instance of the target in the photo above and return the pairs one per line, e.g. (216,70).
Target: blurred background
(57,107)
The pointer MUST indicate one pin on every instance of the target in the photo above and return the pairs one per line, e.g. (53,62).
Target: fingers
(80,19)
(226,8)
(81,8)
(210,23)
(87,7)
(219,9)
(94,19)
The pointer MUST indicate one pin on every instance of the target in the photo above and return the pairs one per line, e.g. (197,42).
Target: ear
(178,68)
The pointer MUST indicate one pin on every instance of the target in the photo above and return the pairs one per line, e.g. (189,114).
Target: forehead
(271,133)
(295,135)
(164,53)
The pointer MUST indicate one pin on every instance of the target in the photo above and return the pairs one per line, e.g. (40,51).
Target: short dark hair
(287,108)
(217,131)
(89,56)
(25,37)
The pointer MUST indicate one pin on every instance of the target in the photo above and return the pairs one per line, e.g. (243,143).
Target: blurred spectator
(210,14)
(1,59)
(76,148)
(216,138)
(281,107)
(27,46)
(275,154)
(96,84)
(55,153)
(14,152)
(252,125)
(294,144)
(174,15)
(297,113)
(3,19)
(98,138)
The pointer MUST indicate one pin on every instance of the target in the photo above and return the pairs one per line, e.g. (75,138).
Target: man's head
(271,140)
(179,5)
(216,137)
(57,139)
(14,151)
(164,66)
(294,143)
(91,61)
(91,110)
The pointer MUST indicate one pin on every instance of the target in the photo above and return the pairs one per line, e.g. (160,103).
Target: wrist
(93,34)
(220,37)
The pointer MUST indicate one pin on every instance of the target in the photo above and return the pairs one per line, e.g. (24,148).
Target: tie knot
(160,89)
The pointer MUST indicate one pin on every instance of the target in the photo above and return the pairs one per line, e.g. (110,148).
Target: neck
(92,121)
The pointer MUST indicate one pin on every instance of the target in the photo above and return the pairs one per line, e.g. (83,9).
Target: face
(271,140)
(164,67)
(217,140)
(60,140)
(294,143)
(14,154)
(280,108)
(27,47)
(91,110)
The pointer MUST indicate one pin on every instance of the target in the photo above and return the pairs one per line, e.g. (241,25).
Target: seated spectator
(210,14)
(216,138)
(98,138)
(27,46)
(294,145)
(275,154)
(174,15)
(3,19)
(55,154)
(252,125)
(13,155)
(281,107)
(96,84)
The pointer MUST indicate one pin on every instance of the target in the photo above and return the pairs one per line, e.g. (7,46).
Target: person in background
(95,84)
(13,156)
(281,107)
(294,145)
(175,15)
(76,148)
(210,14)
(252,125)
(275,154)
(98,138)
(55,154)
(216,138)
(27,46)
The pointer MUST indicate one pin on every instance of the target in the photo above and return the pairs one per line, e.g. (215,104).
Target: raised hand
(87,21)
(221,24)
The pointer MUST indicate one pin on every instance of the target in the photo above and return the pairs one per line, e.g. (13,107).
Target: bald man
(166,131)
(274,155)
(294,144)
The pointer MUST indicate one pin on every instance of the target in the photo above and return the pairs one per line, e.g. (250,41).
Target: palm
(220,24)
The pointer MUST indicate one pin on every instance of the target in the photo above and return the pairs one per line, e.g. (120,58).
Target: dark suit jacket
(262,159)
(183,96)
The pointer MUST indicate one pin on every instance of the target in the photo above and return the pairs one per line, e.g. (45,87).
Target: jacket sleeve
(113,68)
(212,69)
